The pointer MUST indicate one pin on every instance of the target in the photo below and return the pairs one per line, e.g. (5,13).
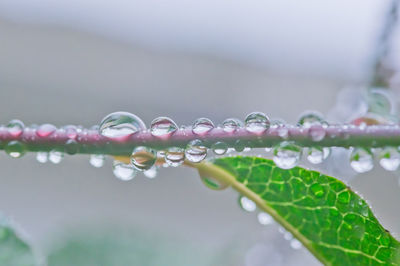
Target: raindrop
(230,125)
(240,145)
(163,127)
(287,154)
(389,159)
(211,182)
(283,132)
(55,156)
(15,149)
(310,118)
(152,172)
(247,204)
(120,125)
(361,160)
(175,156)
(202,126)
(381,101)
(295,244)
(257,123)
(42,156)
(15,128)
(70,131)
(196,151)
(264,218)
(123,171)
(317,155)
(143,158)
(219,148)
(287,236)
(71,147)
(45,130)
(97,160)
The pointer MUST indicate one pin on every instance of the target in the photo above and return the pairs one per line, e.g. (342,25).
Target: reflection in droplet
(389,159)
(230,125)
(123,171)
(257,123)
(317,154)
(361,160)
(15,149)
(175,156)
(310,118)
(15,128)
(42,156)
(287,154)
(219,148)
(152,172)
(163,127)
(55,156)
(120,125)
(295,244)
(97,160)
(143,158)
(45,130)
(195,151)
(202,126)
(264,218)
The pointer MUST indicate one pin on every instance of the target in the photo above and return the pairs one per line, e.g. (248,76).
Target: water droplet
(317,132)
(175,156)
(295,244)
(70,131)
(152,172)
(219,148)
(310,118)
(257,123)
(143,158)
(317,155)
(247,204)
(45,130)
(71,147)
(381,101)
(211,182)
(123,171)
(202,126)
(230,125)
(240,145)
(15,149)
(361,160)
(97,160)
(196,151)
(287,154)
(42,156)
(389,159)
(15,128)
(163,127)
(264,218)
(55,156)
(120,125)
(287,236)
(283,132)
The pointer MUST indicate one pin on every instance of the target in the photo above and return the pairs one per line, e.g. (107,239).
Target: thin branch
(91,142)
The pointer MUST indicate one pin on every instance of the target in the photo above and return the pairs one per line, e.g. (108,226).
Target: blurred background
(73,62)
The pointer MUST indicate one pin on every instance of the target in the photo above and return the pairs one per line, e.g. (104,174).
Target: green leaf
(13,250)
(331,220)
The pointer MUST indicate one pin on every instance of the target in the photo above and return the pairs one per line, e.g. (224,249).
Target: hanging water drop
(264,218)
(295,244)
(317,132)
(211,182)
(97,160)
(70,131)
(361,160)
(143,158)
(45,130)
(389,159)
(287,154)
(195,151)
(120,125)
(71,147)
(202,126)
(15,128)
(283,131)
(257,123)
(152,172)
(317,155)
(175,156)
(42,156)
(123,171)
(15,149)
(219,148)
(240,145)
(247,204)
(163,127)
(311,118)
(230,125)
(55,156)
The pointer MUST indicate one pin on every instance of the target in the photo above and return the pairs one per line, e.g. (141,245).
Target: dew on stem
(257,123)
(56,156)
(15,127)
(123,171)
(219,148)
(361,160)
(97,160)
(45,130)
(230,125)
(389,159)
(287,154)
(317,154)
(143,158)
(15,149)
(195,151)
(202,126)
(163,127)
(120,125)
(175,156)
(247,204)
(42,157)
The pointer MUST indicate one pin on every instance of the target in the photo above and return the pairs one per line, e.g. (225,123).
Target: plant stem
(90,142)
